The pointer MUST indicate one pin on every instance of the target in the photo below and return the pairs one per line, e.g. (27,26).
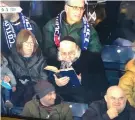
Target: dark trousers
(7,94)
(23,94)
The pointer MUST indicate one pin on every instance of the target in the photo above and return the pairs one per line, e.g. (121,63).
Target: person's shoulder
(31,102)
(130,108)
(50,23)
(98,104)
(63,105)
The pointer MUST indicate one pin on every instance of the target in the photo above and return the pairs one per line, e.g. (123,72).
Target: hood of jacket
(130,66)
(4,62)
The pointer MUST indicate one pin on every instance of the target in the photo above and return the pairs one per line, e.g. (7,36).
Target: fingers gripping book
(70,72)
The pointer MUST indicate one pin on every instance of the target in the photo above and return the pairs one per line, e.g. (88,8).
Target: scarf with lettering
(10,32)
(85,33)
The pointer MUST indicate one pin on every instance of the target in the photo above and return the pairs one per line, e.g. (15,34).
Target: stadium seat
(114,59)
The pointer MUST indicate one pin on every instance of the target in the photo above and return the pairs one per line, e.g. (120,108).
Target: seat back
(78,109)
(114,59)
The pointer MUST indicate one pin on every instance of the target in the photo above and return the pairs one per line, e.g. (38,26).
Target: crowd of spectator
(41,69)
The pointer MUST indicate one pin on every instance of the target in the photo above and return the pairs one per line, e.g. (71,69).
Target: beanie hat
(68,38)
(42,88)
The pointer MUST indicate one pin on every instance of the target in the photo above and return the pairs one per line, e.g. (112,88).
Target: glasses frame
(76,7)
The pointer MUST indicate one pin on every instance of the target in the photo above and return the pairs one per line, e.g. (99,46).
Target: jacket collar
(20,60)
(130,66)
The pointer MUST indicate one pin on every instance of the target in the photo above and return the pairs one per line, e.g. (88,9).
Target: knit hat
(42,88)
(68,38)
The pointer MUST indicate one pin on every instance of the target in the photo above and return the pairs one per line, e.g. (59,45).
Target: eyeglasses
(70,54)
(28,43)
(119,99)
(76,8)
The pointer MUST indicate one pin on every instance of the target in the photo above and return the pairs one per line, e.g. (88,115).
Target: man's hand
(13,89)
(7,79)
(61,81)
(79,77)
(112,113)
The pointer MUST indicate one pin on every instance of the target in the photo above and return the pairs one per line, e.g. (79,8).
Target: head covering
(68,38)
(43,87)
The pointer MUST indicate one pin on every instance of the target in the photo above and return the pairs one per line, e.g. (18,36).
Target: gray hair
(68,2)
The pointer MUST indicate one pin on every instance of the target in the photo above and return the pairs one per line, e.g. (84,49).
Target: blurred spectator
(27,63)
(107,27)
(7,77)
(70,22)
(44,105)
(12,23)
(88,67)
(114,107)
(126,22)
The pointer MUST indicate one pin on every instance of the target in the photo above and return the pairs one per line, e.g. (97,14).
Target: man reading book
(87,68)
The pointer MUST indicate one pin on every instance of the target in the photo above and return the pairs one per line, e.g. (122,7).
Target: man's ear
(105,97)
(65,8)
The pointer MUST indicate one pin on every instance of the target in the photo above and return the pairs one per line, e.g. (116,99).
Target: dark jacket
(126,22)
(36,31)
(68,30)
(28,68)
(34,109)
(98,111)
(94,81)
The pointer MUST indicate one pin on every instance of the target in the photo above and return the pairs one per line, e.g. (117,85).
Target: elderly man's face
(67,51)
(74,10)
(116,98)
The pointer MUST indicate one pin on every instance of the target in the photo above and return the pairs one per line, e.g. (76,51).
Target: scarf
(11,33)
(85,33)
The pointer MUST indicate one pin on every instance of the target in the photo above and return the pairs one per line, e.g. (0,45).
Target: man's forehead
(116,93)
(67,45)
(76,2)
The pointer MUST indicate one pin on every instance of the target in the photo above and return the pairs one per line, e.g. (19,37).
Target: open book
(70,72)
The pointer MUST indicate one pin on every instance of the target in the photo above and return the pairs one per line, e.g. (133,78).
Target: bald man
(113,107)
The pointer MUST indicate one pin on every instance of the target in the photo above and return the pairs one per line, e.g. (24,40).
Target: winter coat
(5,71)
(93,81)
(31,68)
(68,30)
(98,111)
(59,111)
(127,82)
